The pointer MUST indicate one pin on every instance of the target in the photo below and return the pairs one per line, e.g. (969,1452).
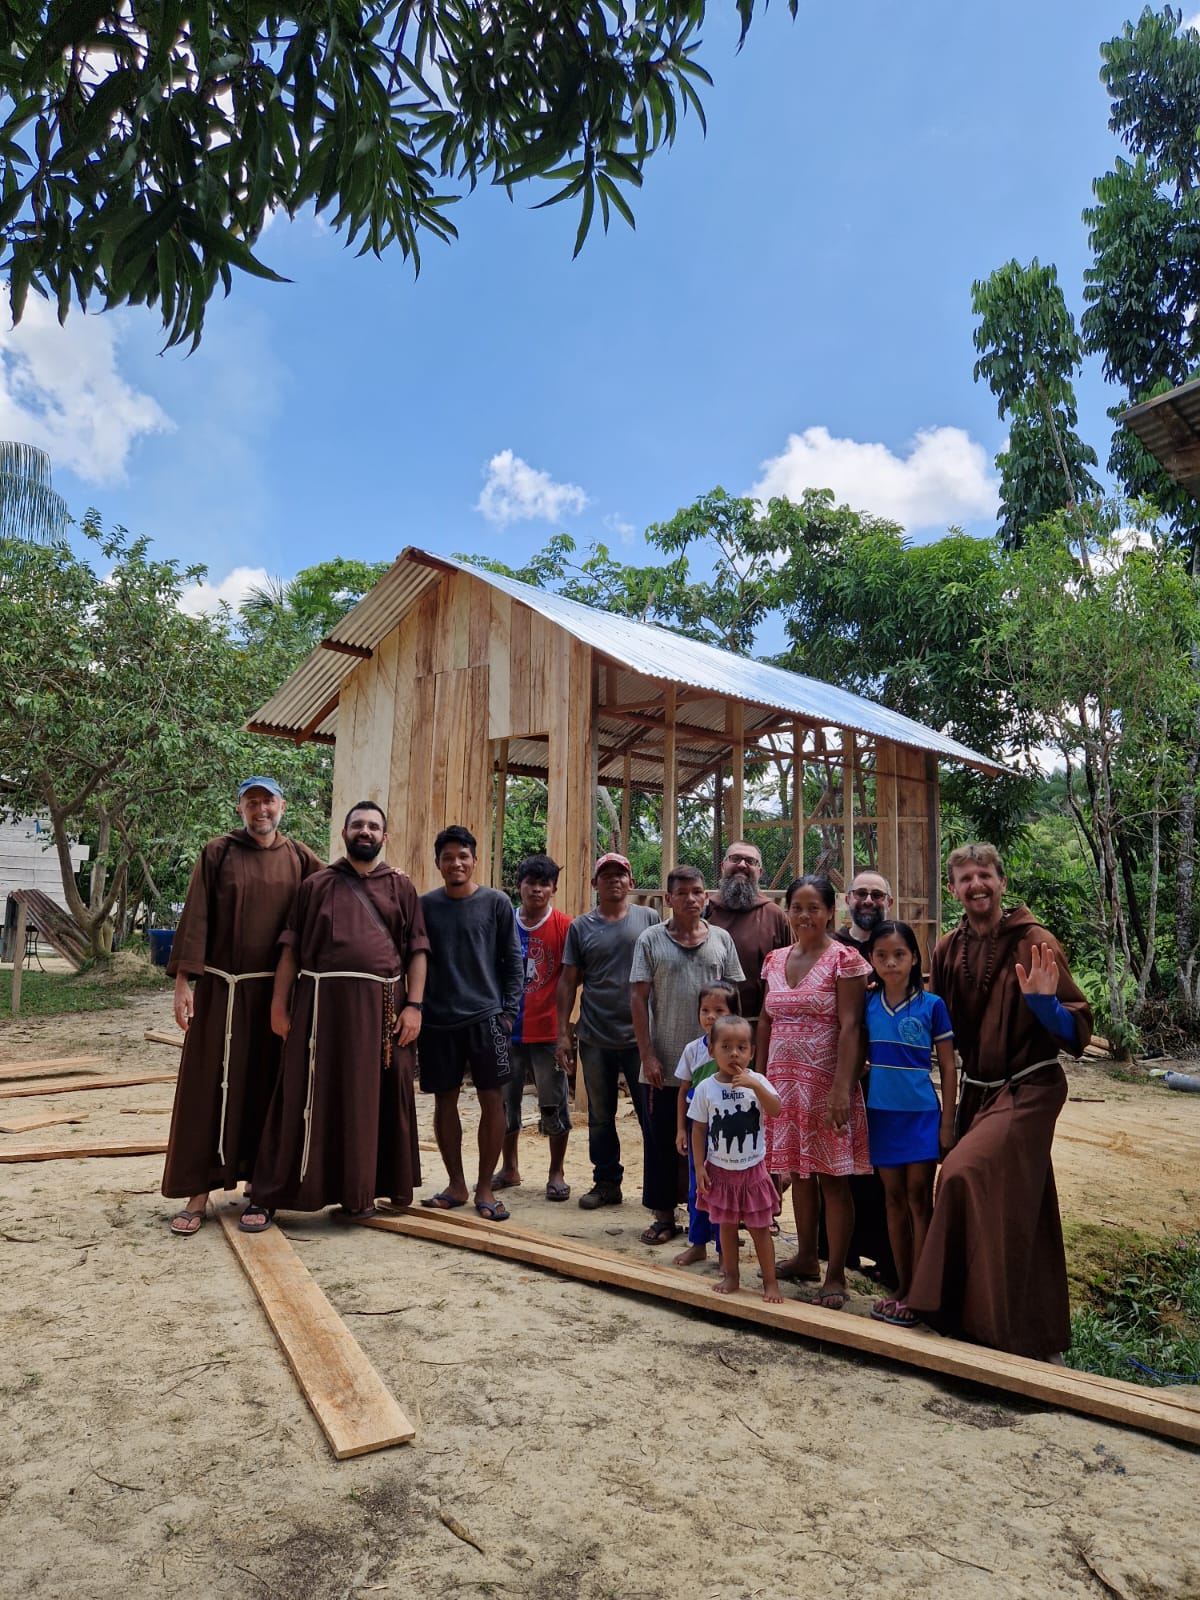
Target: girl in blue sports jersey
(908,1130)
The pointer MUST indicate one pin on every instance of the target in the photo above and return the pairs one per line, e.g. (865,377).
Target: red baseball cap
(612,859)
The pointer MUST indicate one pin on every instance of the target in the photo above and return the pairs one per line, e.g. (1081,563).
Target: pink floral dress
(801,1063)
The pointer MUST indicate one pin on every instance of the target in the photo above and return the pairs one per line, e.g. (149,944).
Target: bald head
(868,900)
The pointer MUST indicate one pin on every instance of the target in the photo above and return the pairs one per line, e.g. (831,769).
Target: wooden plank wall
(913,824)
(417,724)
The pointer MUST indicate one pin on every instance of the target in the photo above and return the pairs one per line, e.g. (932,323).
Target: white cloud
(1193,21)
(617,525)
(60,389)
(945,477)
(231,590)
(516,492)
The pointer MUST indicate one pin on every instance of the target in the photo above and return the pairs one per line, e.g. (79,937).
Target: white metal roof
(638,647)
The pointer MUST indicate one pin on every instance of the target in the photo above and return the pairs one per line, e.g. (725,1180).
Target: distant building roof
(305,706)
(1169,427)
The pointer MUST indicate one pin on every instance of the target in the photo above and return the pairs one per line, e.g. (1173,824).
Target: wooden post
(798,799)
(501,802)
(626,802)
(670,789)
(18,956)
(718,788)
(735,726)
(849,755)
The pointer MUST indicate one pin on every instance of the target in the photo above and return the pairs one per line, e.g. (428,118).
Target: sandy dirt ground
(595,1445)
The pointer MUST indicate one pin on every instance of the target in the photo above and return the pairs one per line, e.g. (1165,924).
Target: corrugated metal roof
(1169,427)
(638,647)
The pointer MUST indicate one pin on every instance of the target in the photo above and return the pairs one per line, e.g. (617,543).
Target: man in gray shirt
(671,964)
(598,953)
(472,994)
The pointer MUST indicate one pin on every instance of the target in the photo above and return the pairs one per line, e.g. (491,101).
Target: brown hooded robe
(993,1268)
(237,903)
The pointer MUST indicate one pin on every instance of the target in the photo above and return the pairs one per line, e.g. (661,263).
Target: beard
(737,893)
(867,917)
(363,849)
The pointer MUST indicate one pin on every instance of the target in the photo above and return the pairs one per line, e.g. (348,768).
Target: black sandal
(253,1210)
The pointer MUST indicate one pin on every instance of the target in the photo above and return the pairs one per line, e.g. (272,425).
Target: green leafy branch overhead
(145,144)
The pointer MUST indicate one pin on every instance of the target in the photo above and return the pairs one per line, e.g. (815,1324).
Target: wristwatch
(417,1005)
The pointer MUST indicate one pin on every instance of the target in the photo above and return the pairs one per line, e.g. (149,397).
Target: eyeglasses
(869,894)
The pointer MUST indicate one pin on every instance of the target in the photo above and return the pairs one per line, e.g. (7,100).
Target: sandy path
(596,1445)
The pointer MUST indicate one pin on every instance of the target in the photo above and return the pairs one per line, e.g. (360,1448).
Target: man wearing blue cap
(238,900)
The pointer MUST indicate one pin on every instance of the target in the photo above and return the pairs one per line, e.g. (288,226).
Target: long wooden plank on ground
(151,1037)
(42,1119)
(145,1111)
(112,1081)
(75,1152)
(1154,1411)
(1184,1397)
(347,1395)
(53,1066)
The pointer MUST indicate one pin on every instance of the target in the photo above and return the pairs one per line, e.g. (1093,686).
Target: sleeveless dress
(801,1062)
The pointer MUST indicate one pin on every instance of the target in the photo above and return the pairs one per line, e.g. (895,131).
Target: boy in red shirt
(543,933)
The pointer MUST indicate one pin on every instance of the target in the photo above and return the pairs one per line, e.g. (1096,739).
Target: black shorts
(446,1055)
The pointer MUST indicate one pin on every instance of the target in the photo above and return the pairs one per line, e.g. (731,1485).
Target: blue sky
(793,310)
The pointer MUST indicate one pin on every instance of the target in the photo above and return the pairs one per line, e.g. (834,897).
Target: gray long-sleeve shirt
(475,968)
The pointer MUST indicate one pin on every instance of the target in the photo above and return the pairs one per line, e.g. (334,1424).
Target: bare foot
(796,1270)
(693,1253)
(506,1180)
(771,1293)
(727,1283)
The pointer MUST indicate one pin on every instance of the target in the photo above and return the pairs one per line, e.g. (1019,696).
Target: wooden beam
(145,1111)
(798,828)
(43,1119)
(151,1037)
(77,1085)
(308,731)
(76,1152)
(849,756)
(347,1396)
(501,802)
(1153,1411)
(626,801)
(359,650)
(670,790)
(735,725)
(52,1066)
(18,958)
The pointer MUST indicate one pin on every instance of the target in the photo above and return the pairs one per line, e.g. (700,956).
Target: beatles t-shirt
(736,1123)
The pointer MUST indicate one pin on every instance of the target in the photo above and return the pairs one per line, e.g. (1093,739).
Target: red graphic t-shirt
(541,953)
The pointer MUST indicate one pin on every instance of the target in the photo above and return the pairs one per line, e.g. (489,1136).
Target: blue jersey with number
(900,1050)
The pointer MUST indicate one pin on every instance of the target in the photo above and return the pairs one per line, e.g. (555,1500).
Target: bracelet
(417,1005)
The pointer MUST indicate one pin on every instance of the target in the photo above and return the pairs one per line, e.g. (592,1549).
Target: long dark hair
(901,931)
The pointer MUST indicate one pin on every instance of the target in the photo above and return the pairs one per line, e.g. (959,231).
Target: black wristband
(417,1005)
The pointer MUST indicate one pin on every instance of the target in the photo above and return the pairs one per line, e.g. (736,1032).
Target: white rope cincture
(1000,1083)
(232,979)
(305,972)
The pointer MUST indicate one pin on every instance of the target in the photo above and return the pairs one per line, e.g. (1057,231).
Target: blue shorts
(900,1137)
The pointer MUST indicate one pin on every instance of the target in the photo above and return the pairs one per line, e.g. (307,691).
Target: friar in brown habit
(993,1268)
(238,900)
(349,988)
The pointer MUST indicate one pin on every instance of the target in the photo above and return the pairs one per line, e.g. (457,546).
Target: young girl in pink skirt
(728,1114)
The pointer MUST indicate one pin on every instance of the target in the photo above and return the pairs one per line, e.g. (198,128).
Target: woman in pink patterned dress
(811,1038)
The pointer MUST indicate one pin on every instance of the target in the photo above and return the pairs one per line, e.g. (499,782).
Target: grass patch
(101,986)
(1136,1305)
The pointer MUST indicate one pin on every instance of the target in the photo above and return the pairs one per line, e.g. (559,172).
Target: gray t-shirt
(676,975)
(602,951)
(475,966)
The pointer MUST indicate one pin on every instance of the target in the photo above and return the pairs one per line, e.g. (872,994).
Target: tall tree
(145,145)
(1029,353)
(30,508)
(1142,289)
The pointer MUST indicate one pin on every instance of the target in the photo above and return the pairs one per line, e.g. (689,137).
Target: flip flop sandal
(493,1210)
(882,1310)
(499,1183)
(556,1191)
(342,1215)
(194,1218)
(900,1316)
(442,1202)
(267,1217)
(660,1233)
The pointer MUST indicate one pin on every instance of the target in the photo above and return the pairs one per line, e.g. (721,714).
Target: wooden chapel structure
(446,680)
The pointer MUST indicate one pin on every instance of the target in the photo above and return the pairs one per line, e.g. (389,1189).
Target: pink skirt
(748,1196)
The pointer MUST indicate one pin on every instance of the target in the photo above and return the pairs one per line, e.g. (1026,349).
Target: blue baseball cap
(268,784)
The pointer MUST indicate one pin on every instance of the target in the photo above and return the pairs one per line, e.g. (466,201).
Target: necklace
(985,983)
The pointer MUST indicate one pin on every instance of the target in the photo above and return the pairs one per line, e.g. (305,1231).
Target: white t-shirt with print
(736,1138)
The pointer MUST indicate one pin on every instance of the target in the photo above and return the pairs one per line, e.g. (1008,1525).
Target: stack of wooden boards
(22,1079)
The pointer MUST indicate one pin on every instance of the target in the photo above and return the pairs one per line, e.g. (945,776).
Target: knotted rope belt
(318,978)
(232,979)
(1000,1083)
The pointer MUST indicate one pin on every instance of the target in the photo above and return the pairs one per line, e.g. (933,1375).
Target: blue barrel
(161,940)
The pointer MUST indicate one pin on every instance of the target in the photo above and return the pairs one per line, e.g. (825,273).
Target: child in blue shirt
(908,1129)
